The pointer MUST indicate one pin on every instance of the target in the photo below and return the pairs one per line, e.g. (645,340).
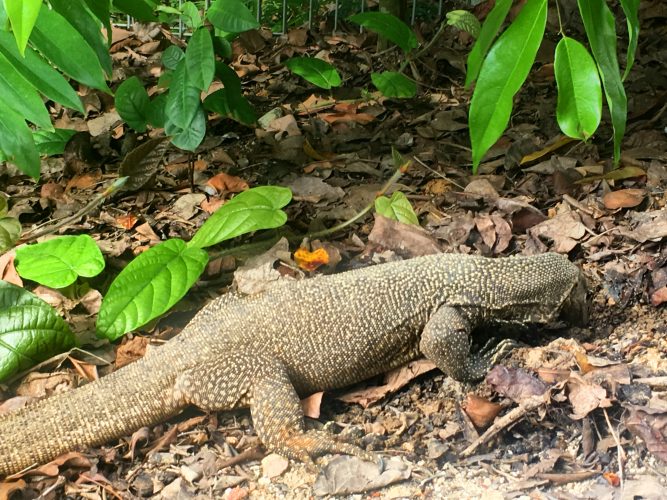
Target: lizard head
(574,309)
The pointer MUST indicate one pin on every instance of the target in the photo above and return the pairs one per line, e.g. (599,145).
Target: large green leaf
(17,144)
(252,210)
(601,33)
(185,117)
(64,46)
(579,108)
(22,14)
(231,16)
(39,73)
(314,70)
(58,262)
(142,10)
(388,26)
(52,142)
(149,286)
(30,330)
(393,84)
(230,101)
(631,10)
(101,9)
(88,26)
(200,59)
(487,34)
(503,72)
(18,93)
(133,104)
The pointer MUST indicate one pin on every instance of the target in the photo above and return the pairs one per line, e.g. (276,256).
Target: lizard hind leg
(278,418)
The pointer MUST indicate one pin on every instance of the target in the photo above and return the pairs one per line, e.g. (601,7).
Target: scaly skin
(297,338)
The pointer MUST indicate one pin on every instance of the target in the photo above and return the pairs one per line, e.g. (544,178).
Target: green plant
(149,286)
(501,68)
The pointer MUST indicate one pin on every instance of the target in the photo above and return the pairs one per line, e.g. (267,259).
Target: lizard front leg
(261,382)
(446,341)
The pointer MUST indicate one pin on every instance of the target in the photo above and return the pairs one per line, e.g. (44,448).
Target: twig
(115,186)
(513,416)
(619,448)
(652,381)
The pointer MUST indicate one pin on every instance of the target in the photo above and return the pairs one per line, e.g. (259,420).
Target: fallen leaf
(311,405)
(623,198)
(274,465)
(223,182)
(310,261)
(480,410)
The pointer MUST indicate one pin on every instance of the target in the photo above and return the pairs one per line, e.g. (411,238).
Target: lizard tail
(96,413)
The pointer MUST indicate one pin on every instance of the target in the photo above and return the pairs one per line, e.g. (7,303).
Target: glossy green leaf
(22,15)
(30,330)
(316,71)
(54,37)
(487,34)
(185,118)
(191,136)
(230,101)
(191,16)
(17,144)
(465,21)
(254,209)
(503,72)
(39,73)
(18,94)
(58,262)
(631,10)
(88,26)
(231,16)
(388,26)
(10,228)
(171,56)
(579,108)
(101,9)
(156,111)
(151,284)
(397,208)
(143,10)
(132,103)
(601,33)
(200,59)
(393,84)
(52,142)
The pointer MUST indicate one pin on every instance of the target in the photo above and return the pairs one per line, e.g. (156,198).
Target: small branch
(115,186)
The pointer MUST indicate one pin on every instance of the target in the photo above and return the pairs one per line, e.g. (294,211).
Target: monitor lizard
(267,350)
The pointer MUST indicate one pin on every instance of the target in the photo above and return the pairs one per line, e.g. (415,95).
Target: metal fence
(179,28)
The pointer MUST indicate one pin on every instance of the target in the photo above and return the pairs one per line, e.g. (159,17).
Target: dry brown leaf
(623,198)
(480,410)
(8,270)
(127,221)
(131,350)
(310,261)
(311,405)
(223,182)
(8,487)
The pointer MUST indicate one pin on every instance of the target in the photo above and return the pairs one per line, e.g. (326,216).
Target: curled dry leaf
(514,383)
(650,424)
(623,198)
(309,261)
(223,182)
(481,411)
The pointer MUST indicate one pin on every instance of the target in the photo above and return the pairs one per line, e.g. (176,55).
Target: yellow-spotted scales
(266,351)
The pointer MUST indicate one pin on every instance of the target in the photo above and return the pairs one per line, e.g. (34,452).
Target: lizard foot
(496,353)
(305,446)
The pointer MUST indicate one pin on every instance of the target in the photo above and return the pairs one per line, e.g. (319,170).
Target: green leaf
(316,71)
(58,262)
(465,21)
(101,9)
(254,209)
(393,84)
(10,228)
(156,115)
(40,74)
(150,285)
(143,10)
(487,34)
(231,16)
(200,59)
(579,107)
(601,33)
(171,56)
(54,37)
(191,16)
(30,331)
(18,93)
(22,14)
(230,101)
(17,144)
(132,103)
(397,208)
(388,26)
(503,72)
(631,10)
(192,135)
(88,26)
(185,117)
(52,142)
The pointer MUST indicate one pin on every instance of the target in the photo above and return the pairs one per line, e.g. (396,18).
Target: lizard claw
(308,445)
